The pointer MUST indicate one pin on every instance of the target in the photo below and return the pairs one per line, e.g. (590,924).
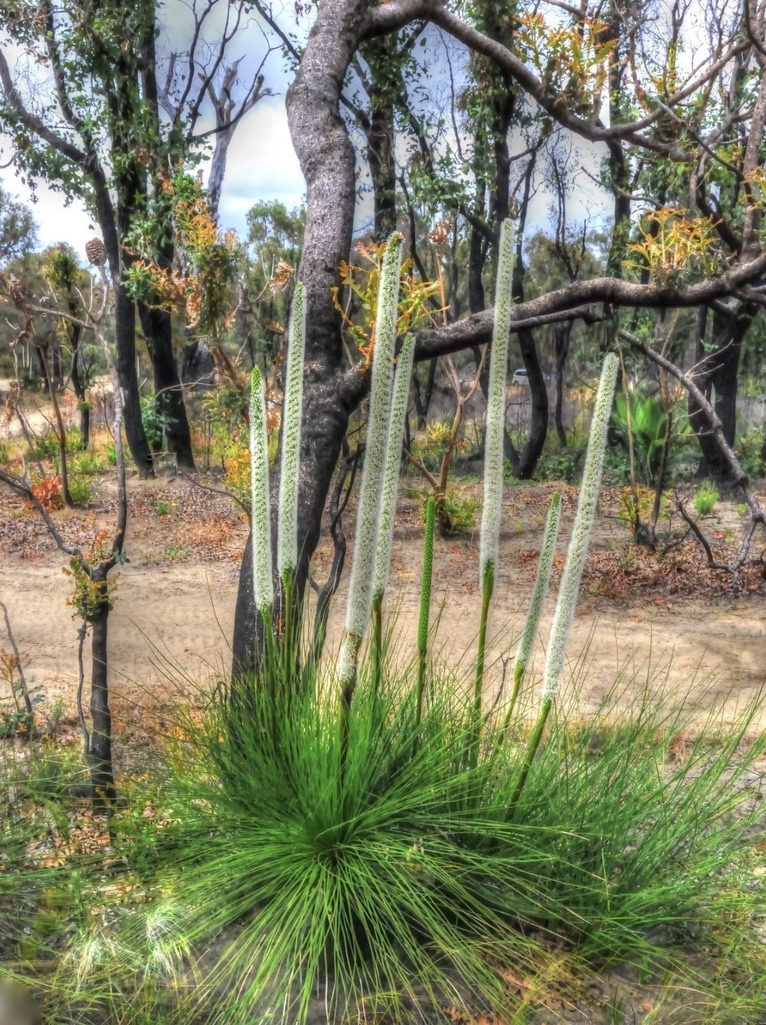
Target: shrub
(80,490)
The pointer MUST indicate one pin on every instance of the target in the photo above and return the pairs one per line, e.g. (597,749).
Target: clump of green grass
(705,498)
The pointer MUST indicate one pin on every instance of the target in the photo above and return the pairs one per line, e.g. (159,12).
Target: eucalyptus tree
(574,94)
(101,107)
(18,231)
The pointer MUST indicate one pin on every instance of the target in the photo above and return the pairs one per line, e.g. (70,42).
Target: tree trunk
(125,330)
(721,372)
(100,747)
(75,336)
(562,335)
(380,138)
(327,159)
(158,329)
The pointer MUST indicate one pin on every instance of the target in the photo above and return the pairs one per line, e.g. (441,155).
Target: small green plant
(80,490)
(461,511)
(705,498)
(155,421)
(164,507)
(88,464)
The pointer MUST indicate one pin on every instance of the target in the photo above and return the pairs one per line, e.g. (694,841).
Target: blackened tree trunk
(125,330)
(380,134)
(562,335)
(75,337)
(100,744)
(158,330)
(720,372)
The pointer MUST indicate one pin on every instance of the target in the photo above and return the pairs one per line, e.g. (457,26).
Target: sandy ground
(174,603)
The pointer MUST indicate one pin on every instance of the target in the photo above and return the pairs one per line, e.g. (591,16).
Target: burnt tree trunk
(100,744)
(562,335)
(158,330)
(720,372)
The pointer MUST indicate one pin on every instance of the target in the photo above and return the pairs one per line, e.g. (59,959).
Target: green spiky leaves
(263,585)
(581,531)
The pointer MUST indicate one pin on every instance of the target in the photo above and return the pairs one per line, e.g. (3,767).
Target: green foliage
(80,490)
(750,452)
(705,498)
(155,421)
(409,884)
(89,464)
(561,464)
(648,422)
(461,509)
(18,231)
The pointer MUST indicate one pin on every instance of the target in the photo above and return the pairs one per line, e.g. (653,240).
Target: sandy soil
(174,601)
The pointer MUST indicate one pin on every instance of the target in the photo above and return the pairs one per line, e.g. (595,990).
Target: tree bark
(327,160)
(720,372)
(100,747)
(158,329)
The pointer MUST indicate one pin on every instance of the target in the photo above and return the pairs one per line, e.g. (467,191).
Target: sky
(262,164)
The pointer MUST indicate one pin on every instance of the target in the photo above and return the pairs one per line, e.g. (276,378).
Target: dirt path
(174,601)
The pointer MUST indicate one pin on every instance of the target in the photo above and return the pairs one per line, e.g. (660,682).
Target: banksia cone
(95,251)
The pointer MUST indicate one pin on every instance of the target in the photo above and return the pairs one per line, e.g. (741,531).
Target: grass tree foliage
(376,863)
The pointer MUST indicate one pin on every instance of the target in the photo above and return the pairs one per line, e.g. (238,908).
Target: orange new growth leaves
(364,281)
(672,243)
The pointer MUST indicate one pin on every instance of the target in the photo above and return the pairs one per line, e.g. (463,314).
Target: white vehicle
(520,377)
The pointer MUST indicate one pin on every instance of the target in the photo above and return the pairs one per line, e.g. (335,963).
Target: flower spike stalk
(493,456)
(287,543)
(361,583)
(425,601)
(292,409)
(542,580)
(263,585)
(388,497)
(576,553)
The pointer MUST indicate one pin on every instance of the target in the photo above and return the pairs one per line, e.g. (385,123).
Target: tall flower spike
(287,538)
(263,585)
(541,583)
(493,443)
(393,465)
(581,531)
(360,585)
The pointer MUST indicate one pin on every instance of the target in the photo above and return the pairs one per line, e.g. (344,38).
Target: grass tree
(575,562)
(390,488)
(536,602)
(493,454)
(292,409)
(263,585)
(360,591)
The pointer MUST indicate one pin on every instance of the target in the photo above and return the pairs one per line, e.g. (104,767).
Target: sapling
(388,496)
(493,456)
(287,516)
(362,571)
(576,553)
